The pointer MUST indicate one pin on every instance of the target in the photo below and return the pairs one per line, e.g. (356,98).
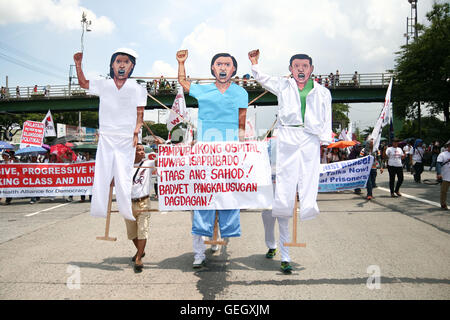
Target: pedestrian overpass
(347,88)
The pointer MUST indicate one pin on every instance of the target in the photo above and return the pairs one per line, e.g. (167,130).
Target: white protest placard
(214,175)
(345,175)
(32,134)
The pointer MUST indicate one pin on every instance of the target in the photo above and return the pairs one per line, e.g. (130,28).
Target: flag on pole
(384,119)
(49,126)
(178,109)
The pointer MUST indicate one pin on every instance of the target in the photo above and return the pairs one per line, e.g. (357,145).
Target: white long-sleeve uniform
(115,151)
(298,147)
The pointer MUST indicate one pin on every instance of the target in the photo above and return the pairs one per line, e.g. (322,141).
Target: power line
(29,57)
(30,66)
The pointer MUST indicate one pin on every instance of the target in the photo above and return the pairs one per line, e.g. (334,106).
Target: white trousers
(114,159)
(198,244)
(269,229)
(298,164)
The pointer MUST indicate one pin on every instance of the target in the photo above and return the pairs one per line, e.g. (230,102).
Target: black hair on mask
(113,58)
(224,55)
(300,56)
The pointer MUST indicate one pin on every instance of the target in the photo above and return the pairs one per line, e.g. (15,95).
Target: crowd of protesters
(410,155)
(9,156)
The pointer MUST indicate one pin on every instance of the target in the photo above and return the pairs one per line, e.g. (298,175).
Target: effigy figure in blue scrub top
(222,110)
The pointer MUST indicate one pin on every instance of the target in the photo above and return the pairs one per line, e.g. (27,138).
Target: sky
(39,37)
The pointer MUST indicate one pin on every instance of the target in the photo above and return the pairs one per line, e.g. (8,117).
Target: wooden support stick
(170,109)
(108,218)
(216,233)
(258,97)
(294,231)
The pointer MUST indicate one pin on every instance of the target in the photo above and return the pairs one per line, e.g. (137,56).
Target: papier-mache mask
(122,63)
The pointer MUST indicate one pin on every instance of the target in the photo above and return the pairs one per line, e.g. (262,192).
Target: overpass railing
(169,85)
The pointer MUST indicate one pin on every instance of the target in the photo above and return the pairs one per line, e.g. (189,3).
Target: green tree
(433,129)
(159,129)
(339,114)
(423,68)
(11,123)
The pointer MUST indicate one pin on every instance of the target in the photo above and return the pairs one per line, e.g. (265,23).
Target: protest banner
(345,175)
(46,179)
(214,175)
(32,134)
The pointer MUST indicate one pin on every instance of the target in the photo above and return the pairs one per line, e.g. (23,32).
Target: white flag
(250,132)
(383,119)
(49,126)
(179,109)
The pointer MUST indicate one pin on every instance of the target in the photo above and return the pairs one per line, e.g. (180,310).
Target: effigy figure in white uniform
(303,122)
(121,113)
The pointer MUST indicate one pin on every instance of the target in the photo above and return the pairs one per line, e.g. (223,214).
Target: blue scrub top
(218,113)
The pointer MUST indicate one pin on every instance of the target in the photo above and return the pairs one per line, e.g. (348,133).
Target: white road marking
(48,209)
(414,198)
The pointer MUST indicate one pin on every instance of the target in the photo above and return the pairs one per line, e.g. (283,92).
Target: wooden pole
(108,218)
(258,97)
(216,233)
(294,228)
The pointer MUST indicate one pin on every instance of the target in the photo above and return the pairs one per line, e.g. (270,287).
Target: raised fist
(254,56)
(182,55)
(77,57)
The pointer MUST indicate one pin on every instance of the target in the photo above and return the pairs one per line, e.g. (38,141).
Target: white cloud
(346,35)
(62,15)
(161,68)
(164,29)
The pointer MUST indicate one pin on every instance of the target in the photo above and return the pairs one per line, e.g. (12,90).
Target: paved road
(49,251)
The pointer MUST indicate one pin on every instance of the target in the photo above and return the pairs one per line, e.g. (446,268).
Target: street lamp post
(411,29)
(85,26)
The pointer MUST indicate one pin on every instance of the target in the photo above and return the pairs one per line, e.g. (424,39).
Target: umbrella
(30,151)
(63,152)
(5,145)
(342,144)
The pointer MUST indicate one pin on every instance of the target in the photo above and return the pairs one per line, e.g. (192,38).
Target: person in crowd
(416,159)
(34,159)
(355,78)
(355,153)
(335,155)
(395,168)
(6,156)
(443,174)
(87,158)
(137,231)
(377,164)
(406,150)
(435,151)
(332,79)
(323,154)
